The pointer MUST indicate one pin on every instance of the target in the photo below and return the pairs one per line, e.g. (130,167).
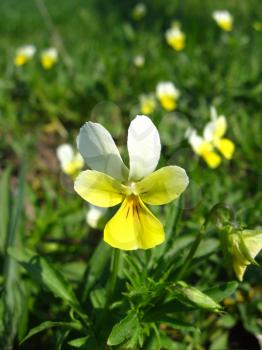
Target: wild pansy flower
(49,57)
(167,94)
(110,182)
(139,61)
(147,104)
(24,54)
(213,139)
(223,19)
(175,37)
(139,11)
(71,162)
(94,214)
(242,246)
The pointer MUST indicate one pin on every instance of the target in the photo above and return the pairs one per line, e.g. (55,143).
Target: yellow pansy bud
(242,248)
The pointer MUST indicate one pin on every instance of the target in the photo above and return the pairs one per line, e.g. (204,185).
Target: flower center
(131,189)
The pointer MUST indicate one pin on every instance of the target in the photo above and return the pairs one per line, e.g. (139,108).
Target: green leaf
(78,342)
(49,324)
(14,295)
(123,330)
(45,274)
(97,266)
(222,291)
(4,207)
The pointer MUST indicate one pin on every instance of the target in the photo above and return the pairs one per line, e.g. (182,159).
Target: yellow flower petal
(99,189)
(162,186)
(169,103)
(133,227)
(20,59)
(47,62)
(212,159)
(226,147)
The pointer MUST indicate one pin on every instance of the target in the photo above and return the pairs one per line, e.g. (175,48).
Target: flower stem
(113,277)
(190,255)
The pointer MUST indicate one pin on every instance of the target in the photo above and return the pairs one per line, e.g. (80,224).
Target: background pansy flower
(175,38)
(49,57)
(223,19)
(139,61)
(213,140)
(71,162)
(147,104)
(167,94)
(111,182)
(139,11)
(24,54)
(94,214)
(214,132)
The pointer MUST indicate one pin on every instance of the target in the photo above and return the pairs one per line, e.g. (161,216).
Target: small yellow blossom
(147,104)
(213,140)
(243,247)
(49,58)
(71,162)
(223,19)
(24,54)
(94,215)
(175,38)
(168,95)
(139,11)
(111,183)
(139,61)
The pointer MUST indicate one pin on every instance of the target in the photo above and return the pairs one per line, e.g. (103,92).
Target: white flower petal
(143,147)
(65,154)
(215,129)
(99,151)
(195,140)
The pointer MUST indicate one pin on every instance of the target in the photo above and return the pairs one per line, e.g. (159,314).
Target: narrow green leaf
(4,207)
(123,330)
(96,267)
(78,342)
(49,324)
(222,291)
(45,274)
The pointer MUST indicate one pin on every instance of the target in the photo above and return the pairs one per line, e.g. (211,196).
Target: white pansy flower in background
(110,182)
(213,140)
(139,61)
(49,57)
(214,132)
(175,38)
(94,214)
(223,19)
(168,94)
(24,54)
(71,161)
